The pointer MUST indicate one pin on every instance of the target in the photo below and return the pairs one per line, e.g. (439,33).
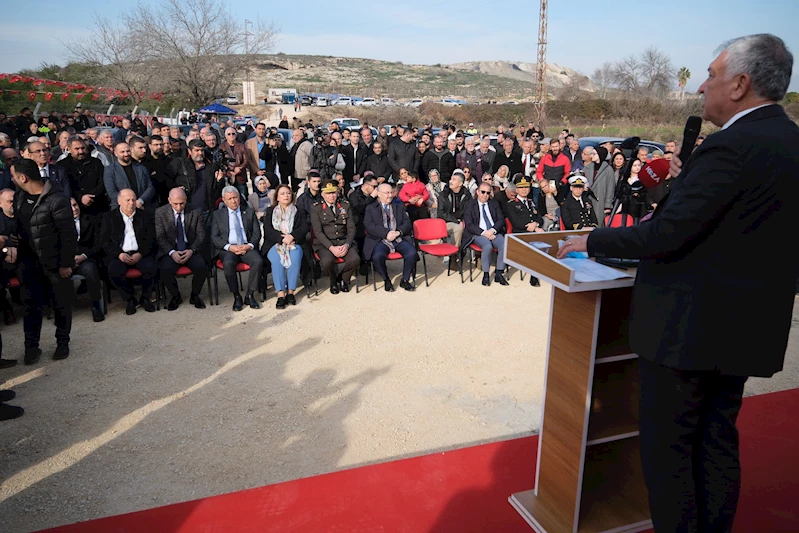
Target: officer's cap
(330,186)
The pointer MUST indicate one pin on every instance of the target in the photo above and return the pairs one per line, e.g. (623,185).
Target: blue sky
(581,36)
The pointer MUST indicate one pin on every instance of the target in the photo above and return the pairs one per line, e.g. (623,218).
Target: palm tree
(683,75)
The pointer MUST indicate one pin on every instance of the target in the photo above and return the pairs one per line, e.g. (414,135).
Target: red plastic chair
(616,222)
(13,283)
(133,274)
(392,256)
(430,229)
(241,267)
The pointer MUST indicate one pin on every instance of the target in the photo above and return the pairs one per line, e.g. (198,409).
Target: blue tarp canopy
(218,109)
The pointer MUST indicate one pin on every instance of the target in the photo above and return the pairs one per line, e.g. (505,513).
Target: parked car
(416,102)
(343,100)
(321,102)
(510,102)
(233,99)
(347,122)
(388,102)
(450,102)
(306,100)
(596,141)
(366,102)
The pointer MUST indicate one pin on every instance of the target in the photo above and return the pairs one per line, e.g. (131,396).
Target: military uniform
(523,211)
(334,226)
(578,214)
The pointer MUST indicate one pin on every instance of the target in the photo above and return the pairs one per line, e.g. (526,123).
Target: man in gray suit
(180,233)
(124,173)
(236,235)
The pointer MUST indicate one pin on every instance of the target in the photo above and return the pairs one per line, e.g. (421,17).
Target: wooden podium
(588,473)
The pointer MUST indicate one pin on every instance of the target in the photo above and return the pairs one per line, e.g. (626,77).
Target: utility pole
(247,46)
(541,65)
(249,90)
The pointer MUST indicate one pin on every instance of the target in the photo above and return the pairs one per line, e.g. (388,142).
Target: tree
(683,75)
(792,98)
(603,79)
(649,74)
(196,46)
(110,52)
(573,89)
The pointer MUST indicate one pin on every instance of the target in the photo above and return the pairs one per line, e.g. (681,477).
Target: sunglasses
(484,192)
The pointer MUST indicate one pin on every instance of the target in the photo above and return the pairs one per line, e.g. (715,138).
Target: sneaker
(61,352)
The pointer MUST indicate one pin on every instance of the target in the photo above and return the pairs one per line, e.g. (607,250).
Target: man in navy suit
(39,153)
(124,173)
(699,275)
(484,225)
(388,229)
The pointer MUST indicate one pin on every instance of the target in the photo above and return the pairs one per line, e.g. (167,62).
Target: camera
(221,161)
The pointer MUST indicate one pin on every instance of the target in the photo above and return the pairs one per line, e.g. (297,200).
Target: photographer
(277,158)
(321,155)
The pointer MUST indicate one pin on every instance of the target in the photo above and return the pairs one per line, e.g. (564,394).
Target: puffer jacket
(53,235)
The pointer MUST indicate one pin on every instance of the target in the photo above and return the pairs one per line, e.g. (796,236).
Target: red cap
(654,172)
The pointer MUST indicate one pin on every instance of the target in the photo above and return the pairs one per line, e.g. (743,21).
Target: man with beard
(554,166)
(157,163)
(127,174)
(236,153)
(439,158)
(321,156)
(402,153)
(300,157)
(197,178)
(377,162)
(85,175)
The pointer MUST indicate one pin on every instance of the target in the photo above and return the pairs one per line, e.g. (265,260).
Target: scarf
(263,197)
(390,223)
(283,221)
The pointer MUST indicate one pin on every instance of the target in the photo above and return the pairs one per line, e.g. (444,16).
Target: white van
(233,99)
(388,102)
(321,102)
(367,102)
(416,102)
(343,100)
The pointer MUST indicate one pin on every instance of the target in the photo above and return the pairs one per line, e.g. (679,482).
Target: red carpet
(463,490)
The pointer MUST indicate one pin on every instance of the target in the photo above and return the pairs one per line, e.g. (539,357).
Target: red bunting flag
(48,96)
(14,79)
(26,79)
(64,96)
(95,97)
(36,83)
(14,92)
(3,76)
(78,96)
(1,91)
(32,95)
(50,83)
(90,90)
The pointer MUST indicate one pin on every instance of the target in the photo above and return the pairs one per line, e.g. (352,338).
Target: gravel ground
(159,408)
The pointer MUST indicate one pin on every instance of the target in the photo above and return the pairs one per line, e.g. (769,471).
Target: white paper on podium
(587,271)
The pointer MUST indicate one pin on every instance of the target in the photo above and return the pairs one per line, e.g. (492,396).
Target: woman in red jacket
(414,195)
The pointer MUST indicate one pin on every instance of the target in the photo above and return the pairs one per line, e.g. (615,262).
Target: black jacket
(471,220)
(113,234)
(402,155)
(53,237)
(358,203)
(302,225)
(451,205)
(89,239)
(355,161)
(514,162)
(378,164)
(86,177)
(520,215)
(277,157)
(182,173)
(444,164)
(701,274)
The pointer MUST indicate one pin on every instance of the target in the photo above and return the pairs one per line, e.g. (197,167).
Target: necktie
(239,230)
(386,209)
(181,241)
(485,217)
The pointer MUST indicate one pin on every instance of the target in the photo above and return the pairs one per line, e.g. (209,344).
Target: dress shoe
(7,363)
(407,285)
(534,282)
(252,301)
(500,278)
(291,300)
(7,395)
(238,304)
(174,303)
(281,302)
(61,352)
(388,286)
(486,279)
(334,287)
(147,305)
(345,287)
(130,309)
(97,314)
(10,412)
(9,317)
(32,355)
(197,301)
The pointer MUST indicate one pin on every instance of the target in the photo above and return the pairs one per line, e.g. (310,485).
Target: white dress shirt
(129,243)
(527,164)
(232,237)
(488,212)
(741,114)
(77,227)
(579,199)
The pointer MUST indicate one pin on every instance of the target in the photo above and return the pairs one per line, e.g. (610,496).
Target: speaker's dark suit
(166,235)
(705,272)
(220,231)
(112,244)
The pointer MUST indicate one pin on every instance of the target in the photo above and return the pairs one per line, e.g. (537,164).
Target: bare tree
(603,79)
(113,58)
(196,46)
(572,90)
(647,75)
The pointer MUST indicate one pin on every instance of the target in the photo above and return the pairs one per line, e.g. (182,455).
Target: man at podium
(703,257)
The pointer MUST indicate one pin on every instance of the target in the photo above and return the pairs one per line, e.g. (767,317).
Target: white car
(366,102)
(416,102)
(388,102)
(321,102)
(233,99)
(449,102)
(344,100)
(347,122)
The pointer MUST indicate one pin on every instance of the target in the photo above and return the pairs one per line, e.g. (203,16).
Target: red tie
(526,159)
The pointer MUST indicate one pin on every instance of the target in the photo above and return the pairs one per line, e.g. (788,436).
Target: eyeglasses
(36,151)
(484,192)
(230,134)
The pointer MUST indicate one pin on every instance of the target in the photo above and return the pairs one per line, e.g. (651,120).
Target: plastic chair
(339,260)
(616,222)
(241,267)
(134,274)
(429,229)
(183,272)
(475,251)
(392,256)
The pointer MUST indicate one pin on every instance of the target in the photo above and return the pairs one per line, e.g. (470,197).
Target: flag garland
(71,88)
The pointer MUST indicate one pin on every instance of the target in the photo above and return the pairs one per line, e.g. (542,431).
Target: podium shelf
(614,402)
(614,496)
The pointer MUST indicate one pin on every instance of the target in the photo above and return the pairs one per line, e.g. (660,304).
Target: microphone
(689,136)
(654,172)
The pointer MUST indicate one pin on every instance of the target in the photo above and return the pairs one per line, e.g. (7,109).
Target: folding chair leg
(372,270)
(216,285)
(471,265)
(424,264)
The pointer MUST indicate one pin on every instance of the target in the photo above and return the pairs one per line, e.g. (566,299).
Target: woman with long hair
(285,228)
(617,164)
(633,195)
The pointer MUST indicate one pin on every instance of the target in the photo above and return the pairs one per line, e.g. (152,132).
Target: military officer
(334,235)
(577,211)
(523,214)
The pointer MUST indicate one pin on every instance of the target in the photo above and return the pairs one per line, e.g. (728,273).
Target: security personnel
(577,211)
(523,214)
(334,235)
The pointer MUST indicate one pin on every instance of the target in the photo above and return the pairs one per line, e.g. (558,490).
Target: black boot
(534,282)
(500,278)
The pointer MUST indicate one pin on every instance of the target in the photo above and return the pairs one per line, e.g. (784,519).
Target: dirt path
(159,408)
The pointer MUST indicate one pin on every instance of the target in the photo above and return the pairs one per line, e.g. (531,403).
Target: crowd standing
(136,206)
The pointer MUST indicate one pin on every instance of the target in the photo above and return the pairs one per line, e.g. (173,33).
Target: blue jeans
(279,271)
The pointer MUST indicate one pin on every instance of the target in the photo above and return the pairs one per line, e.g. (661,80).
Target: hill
(473,81)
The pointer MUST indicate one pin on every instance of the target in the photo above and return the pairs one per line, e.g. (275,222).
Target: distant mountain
(472,81)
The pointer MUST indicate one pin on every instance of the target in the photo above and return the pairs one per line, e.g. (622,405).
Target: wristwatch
(5,249)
